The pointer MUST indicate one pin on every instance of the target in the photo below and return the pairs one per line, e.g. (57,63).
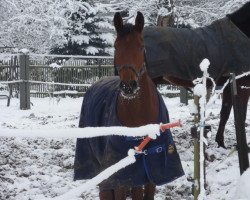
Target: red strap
(163,127)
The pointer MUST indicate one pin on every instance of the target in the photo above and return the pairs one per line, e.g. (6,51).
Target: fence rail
(40,75)
(56,68)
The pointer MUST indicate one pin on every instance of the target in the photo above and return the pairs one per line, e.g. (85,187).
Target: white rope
(88,132)
(76,192)
(218,92)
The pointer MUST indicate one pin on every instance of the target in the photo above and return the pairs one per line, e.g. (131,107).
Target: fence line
(44,75)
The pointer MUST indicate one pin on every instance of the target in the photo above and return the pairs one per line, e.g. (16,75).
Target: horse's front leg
(137,193)
(224,115)
(120,193)
(149,191)
(106,195)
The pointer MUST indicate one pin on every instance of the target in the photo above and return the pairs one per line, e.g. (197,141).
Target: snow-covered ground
(38,168)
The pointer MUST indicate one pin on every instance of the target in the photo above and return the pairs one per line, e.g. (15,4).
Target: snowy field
(43,168)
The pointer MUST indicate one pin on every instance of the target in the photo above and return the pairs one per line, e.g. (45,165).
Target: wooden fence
(52,75)
(69,71)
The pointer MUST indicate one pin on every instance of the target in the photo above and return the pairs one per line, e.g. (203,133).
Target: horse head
(129,53)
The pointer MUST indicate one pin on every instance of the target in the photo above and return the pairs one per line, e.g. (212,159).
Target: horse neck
(142,109)
(241,18)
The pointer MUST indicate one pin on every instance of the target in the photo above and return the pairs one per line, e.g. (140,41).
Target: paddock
(43,167)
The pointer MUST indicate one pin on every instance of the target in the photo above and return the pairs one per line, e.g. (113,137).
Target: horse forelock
(126,30)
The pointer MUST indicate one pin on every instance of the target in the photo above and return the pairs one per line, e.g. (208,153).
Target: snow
(24,51)
(40,168)
(243,186)
(55,65)
(204,64)
(76,192)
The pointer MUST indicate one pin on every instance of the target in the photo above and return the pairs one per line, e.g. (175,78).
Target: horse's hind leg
(244,97)
(224,115)
(149,191)
(226,109)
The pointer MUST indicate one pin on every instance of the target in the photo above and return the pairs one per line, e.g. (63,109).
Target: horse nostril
(122,85)
(128,88)
(134,84)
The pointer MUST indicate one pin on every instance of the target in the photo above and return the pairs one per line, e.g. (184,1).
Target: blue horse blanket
(161,164)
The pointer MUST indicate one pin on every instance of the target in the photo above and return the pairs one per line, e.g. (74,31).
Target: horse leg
(244,97)
(120,193)
(106,195)
(149,191)
(137,193)
(224,115)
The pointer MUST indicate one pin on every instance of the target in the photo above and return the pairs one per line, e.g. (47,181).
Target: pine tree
(84,36)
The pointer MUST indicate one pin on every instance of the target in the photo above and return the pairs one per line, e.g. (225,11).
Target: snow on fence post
(200,92)
(240,127)
(25,85)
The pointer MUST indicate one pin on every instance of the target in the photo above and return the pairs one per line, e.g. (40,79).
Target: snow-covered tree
(85,34)
(43,25)
(193,12)
(203,12)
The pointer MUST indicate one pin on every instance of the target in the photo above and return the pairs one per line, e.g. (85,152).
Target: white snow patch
(243,186)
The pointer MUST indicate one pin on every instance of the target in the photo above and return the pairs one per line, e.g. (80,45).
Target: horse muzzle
(129,90)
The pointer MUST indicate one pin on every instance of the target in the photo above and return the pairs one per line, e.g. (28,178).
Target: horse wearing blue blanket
(130,99)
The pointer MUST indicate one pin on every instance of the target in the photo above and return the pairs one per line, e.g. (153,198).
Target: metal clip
(158,149)
(145,152)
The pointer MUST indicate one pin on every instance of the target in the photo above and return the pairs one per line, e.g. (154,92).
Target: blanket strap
(153,150)
(163,128)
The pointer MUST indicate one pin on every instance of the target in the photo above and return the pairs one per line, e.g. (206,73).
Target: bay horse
(173,56)
(130,99)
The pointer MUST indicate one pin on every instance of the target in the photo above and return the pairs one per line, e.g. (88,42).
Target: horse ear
(118,22)
(139,22)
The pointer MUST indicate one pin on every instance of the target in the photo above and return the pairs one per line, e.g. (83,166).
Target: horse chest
(133,113)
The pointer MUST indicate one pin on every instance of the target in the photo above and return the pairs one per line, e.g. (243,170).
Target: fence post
(99,69)
(239,127)
(24,86)
(196,138)
(183,95)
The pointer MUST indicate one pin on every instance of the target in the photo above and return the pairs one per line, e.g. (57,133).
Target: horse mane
(241,18)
